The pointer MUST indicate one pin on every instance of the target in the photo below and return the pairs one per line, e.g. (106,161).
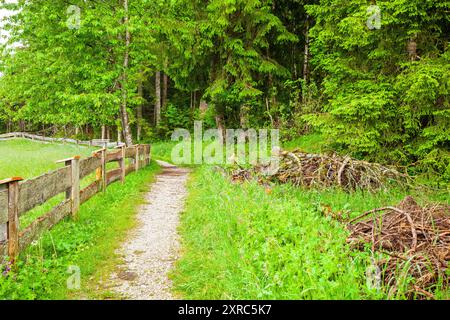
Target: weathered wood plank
(103,170)
(3,206)
(89,165)
(3,213)
(30,136)
(8,135)
(147,155)
(89,191)
(137,158)
(13,220)
(75,189)
(3,249)
(114,156)
(44,223)
(37,191)
(130,169)
(3,232)
(149,160)
(122,165)
(130,152)
(68,160)
(113,176)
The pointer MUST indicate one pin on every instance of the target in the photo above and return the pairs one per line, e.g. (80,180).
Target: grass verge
(87,244)
(248,242)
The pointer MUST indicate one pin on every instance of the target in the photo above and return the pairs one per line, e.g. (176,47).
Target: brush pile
(416,241)
(323,171)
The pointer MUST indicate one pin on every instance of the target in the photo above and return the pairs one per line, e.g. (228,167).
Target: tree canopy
(371,76)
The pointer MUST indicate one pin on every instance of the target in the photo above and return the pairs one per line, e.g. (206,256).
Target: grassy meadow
(246,241)
(28,159)
(88,243)
(249,242)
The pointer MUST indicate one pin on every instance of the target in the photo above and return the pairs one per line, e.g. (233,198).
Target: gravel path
(153,246)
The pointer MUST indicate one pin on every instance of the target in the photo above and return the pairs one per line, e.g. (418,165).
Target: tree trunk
(165,90)
(119,134)
(273,98)
(123,106)
(203,106)
(158,98)
(306,53)
(220,125)
(412,49)
(103,132)
(139,110)
(195,99)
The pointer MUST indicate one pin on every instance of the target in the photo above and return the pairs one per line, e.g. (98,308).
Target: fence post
(144,155)
(4,227)
(73,193)
(103,183)
(136,158)
(12,229)
(149,154)
(122,164)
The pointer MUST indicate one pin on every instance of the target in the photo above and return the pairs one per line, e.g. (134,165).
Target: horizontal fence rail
(18,197)
(96,142)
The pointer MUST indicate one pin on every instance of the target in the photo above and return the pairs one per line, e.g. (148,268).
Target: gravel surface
(153,247)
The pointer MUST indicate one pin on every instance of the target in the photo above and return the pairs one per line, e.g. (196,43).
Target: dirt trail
(153,247)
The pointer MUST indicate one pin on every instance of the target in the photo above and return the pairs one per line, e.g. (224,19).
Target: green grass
(238,241)
(89,243)
(28,159)
(310,143)
(163,150)
(244,242)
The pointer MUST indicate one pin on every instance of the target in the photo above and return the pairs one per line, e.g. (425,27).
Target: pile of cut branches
(322,171)
(415,240)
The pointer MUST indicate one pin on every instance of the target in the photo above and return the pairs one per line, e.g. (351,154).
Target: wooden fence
(95,142)
(17,197)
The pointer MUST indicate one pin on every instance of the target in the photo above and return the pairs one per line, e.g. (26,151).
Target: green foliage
(304,99)
(236,38)
(61,75)
(175,118)
(386,101)
(379,94)
(271,243)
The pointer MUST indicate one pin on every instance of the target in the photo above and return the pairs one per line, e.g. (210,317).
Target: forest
(139,69)
(357,89)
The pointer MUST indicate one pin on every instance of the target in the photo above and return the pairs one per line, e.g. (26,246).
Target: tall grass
(249,242)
